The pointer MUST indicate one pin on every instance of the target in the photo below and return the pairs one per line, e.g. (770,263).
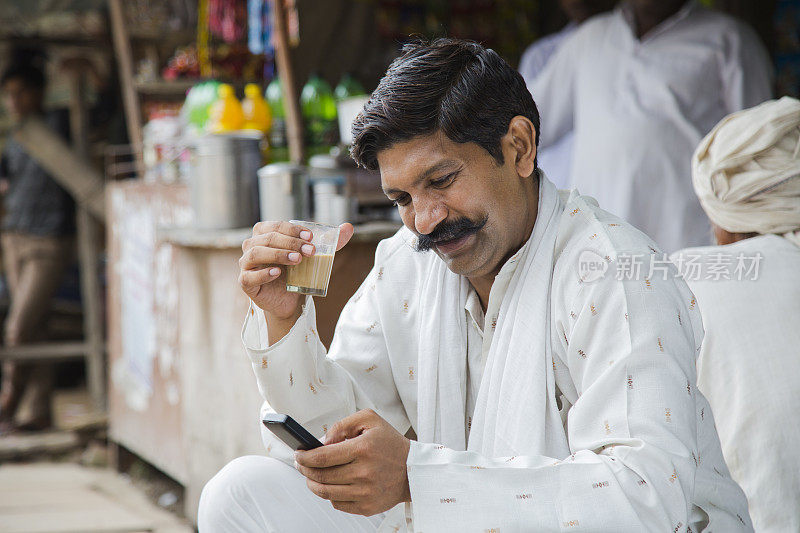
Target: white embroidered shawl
(516,411)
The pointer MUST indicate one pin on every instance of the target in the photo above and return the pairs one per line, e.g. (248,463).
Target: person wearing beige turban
(746,173)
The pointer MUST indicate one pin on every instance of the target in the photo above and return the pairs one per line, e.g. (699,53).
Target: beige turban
(746,172)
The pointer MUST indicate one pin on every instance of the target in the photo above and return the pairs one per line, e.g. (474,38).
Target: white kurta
(749,366)
(639,108)
(634,447)
(556,158)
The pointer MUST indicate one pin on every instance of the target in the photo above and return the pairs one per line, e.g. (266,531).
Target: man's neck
(646,21)
(483,284)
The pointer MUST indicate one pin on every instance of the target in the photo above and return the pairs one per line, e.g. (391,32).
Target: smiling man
(546,394)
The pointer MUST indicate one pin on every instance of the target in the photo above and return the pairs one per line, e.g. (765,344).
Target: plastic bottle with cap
(278,145)
(226,113)
(319,114)
(197,106)
(256,111)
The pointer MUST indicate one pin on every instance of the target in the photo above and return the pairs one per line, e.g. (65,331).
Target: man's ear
(522,137)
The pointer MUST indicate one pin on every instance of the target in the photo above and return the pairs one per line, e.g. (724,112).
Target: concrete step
(68,498)
(23,444)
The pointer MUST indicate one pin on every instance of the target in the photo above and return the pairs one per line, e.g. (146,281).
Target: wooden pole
(77,112)
(294,121)
(87,254)
(130,100)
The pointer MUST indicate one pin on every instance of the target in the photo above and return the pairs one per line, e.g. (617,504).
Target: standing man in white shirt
(640,87)
(747,175)
(556,159)
(544,391)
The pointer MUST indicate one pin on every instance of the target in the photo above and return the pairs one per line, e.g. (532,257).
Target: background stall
(180,391)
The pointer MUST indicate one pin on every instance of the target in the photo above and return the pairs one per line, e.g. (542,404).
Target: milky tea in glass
(312,274)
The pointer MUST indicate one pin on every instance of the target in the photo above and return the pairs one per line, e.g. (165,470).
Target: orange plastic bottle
(226,113)
(257,114)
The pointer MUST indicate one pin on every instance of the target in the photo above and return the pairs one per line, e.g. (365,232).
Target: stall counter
(182,392)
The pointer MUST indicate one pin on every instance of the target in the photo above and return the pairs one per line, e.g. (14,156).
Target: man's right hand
(273,247)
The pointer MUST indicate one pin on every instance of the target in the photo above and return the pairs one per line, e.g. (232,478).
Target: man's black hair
(32,77)
(460,88)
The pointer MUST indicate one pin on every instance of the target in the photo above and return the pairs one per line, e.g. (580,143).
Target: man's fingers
(260,256)
(346,493)
(274,234)
(335,434)
(328,455)
(252,279)
(280,241)
(336,475)
(349,507)
(351,426)
(346,231)
(280,226)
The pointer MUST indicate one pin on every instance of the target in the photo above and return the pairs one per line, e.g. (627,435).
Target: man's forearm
(292,372)
(593,491)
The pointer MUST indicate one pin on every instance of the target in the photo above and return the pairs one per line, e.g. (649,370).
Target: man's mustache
(449,231)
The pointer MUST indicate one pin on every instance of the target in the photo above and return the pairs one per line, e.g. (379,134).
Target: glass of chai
(312,274)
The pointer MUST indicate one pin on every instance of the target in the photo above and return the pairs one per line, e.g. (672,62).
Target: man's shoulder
(766,261)
(597,25)
(585,225)
(711,22)
(587,34)
(705,15)
(401,244)
(696,251)
(536,55)
(764,244)
(592,245)
(551,41)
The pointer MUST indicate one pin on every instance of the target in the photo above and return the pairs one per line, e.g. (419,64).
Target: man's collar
(625,10)
(474,309)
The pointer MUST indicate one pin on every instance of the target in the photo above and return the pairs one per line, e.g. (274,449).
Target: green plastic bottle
(278,144)
(348,86)
(198,103)
(318,107)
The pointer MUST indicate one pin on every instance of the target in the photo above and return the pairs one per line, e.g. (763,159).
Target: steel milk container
(224,188)
(283,192)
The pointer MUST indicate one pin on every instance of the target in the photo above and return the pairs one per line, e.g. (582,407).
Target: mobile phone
(289,431)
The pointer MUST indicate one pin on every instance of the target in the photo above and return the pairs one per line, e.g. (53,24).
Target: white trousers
(258,494)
